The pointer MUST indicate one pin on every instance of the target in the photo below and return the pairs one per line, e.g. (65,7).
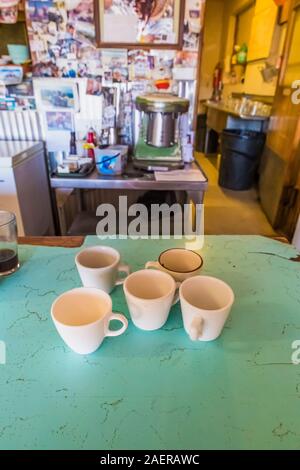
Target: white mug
(179,263)
(150,295)
(82,316)
(205,304)
(99,268)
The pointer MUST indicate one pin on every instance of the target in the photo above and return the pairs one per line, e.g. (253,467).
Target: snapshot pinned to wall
(107,77)
(140,21)
(9,10)
(120,74)
(67,68)
(186,59)
(59,121)
(193,22)
(17,96)
(81,18)
(109,95)
(94,86)
(22,94)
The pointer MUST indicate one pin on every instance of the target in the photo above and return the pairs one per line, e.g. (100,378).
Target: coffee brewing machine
(162,129)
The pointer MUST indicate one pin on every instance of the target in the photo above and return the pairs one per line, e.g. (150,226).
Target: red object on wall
(280,3)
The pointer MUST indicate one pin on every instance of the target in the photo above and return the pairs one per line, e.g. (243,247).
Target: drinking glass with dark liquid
(9,262)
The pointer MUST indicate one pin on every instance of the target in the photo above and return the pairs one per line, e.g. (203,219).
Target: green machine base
(148,157)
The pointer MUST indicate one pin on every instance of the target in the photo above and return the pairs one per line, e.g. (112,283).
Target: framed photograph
(142,23)
(56,94)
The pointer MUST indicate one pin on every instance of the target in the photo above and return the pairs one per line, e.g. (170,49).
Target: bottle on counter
(73,148)
(217,82)
(91,140)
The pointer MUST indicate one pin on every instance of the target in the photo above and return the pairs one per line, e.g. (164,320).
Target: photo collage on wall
(60,34)
(63,43)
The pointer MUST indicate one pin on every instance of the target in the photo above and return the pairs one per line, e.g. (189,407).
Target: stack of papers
(180,175)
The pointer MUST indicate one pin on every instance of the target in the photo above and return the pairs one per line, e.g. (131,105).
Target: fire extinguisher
(217,82)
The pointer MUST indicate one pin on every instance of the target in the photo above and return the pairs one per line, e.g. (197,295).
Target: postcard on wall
(114,58)
(11,75)
(23,89)
(138,22)
(139,65)
(67,68)
(56,94)
(81,16)
(39,10)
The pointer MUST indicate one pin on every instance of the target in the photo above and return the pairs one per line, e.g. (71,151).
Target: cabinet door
(262,30)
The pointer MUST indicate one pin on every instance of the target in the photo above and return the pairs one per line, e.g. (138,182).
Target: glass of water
(9,261)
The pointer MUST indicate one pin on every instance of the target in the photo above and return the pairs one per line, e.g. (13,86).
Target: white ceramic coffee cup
(82,316)
(150,294)
(99,267)
(180,263)
(205,304)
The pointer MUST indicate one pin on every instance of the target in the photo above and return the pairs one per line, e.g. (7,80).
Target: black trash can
(201,133)
(241,152)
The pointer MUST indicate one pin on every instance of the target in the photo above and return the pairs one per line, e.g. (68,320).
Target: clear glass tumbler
(9,262)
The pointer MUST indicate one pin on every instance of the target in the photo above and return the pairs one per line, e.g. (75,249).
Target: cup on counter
(150,294)
(206,303)
(9,261)
(100,267)
(82,317)
(180,263)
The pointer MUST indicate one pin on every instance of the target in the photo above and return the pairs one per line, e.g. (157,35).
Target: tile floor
(231,212)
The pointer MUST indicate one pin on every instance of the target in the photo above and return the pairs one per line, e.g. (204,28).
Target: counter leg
(197,197)
(79,200)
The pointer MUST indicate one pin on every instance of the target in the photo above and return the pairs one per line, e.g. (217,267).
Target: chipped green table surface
(155,390)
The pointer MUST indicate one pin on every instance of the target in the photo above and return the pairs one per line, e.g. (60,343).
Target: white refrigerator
(24,187)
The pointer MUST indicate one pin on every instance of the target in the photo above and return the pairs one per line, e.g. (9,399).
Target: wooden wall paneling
(280,168)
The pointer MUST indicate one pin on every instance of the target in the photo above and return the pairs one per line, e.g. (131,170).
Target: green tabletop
(155,390)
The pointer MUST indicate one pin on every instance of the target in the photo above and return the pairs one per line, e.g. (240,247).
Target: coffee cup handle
(176,296)
(123,268)
(152,265)
(196,329)
(120,318)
